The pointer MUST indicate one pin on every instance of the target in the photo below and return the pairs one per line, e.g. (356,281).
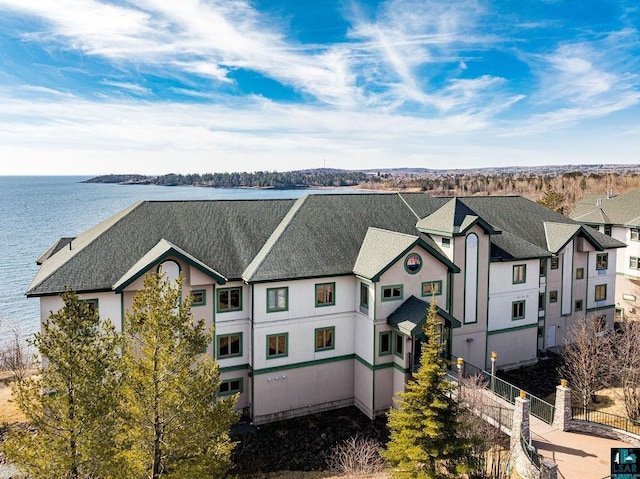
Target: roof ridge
(261,256)
(99,229)
(408,205)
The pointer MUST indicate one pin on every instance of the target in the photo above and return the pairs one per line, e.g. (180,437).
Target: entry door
(551,336)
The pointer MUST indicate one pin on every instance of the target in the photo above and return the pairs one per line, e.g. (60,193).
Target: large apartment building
(618,217)
(319,302)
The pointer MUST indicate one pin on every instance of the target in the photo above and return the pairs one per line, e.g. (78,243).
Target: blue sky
(158,86)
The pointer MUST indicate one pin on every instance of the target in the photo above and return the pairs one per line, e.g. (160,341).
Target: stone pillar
(520,420)
(548,469)
(562,414)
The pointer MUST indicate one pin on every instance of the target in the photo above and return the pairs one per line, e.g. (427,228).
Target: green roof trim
(163,250)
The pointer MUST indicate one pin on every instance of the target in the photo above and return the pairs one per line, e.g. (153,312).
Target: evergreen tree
(72,401)
(425,440)
(174,426)
(553,199)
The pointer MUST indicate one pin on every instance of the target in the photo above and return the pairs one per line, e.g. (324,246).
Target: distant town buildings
(319,302)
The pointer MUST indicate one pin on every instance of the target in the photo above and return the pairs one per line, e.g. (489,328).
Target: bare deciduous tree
(625,366)
(15,356)
(586,357)
(481,421)
(356,457)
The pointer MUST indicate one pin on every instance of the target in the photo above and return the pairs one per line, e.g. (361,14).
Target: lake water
(36,211)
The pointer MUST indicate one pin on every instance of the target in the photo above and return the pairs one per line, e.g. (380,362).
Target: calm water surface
(36,211)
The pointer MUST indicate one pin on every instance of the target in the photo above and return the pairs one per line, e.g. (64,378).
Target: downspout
(251,354)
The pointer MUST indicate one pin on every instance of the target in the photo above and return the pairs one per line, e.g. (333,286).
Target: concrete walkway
(578,456)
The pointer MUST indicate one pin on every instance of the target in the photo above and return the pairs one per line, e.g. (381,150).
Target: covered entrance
(409,320)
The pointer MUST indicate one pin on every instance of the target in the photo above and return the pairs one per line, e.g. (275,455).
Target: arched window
(171,271)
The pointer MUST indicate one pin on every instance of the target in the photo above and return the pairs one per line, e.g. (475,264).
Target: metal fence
(532,454)
(606,419)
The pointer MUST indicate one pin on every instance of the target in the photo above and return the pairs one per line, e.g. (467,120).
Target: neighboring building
(319,302)
(618,217)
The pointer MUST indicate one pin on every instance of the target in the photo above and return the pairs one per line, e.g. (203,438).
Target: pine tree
(553,199)
(425,442)
(72,401)
(174,426)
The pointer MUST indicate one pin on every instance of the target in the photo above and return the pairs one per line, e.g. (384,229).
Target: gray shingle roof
(225,235)
(271,240)
(622,210)
(409,318)
(454,218)
(324,236)
(379,248)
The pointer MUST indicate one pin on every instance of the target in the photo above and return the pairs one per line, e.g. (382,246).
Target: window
(199,297)
(519,273)
(635,234)
(517,310)
(634,262)
(391,293)
(541,298)
(230,386)
(579,273)
(543,267)
(607,230)
(277,299)
(229,345)
(325,294)
(324,338)
(555,262)
(229,299)
(601,292)
(602,260)
(92,304)
(364,296)
(578,305)
(553,296)
(398,348)
(446,242)
(384,343)
(431,288)
(413,263)
(277,345)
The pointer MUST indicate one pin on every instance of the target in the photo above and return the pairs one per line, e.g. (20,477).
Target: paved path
(578,456)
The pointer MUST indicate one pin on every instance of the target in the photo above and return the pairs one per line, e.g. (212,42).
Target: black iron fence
(606,419)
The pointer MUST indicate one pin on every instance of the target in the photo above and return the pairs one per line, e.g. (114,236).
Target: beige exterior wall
(514,347)
(303,390)
(469,340)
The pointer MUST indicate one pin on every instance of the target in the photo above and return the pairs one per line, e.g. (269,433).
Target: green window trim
(602,261)
(229,387)
(325,339)
(555,262)
(230,298)
(519,274)
(384,345)
(199,297)
(227,339)
(446,242)
(634,234)
(600,292)
(277,299)
(541,301)
(92,303)
(432,286)
(634,262)
(325,294)
(364,296)
(280,345)
(518,310)
(553,296)
(578,305)
(579,273)
(543,268)
(398,345)
(395,292)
